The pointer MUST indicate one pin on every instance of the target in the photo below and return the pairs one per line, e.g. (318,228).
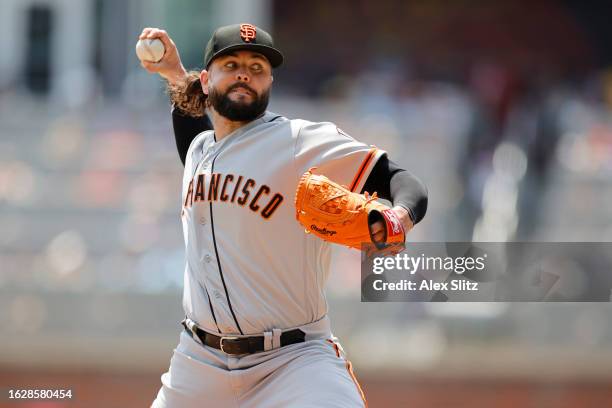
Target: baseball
(151,50)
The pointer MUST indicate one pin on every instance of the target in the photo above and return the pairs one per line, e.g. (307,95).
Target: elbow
(421,202)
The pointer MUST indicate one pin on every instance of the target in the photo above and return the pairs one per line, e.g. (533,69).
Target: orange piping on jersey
(335,347)
(349,367)
(362,168)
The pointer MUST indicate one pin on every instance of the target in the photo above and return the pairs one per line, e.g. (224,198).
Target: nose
(243,77)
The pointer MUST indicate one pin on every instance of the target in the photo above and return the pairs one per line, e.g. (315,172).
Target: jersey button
(202,220)
(207,258)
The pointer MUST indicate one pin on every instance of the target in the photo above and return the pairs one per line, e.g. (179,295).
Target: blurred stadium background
(504,109)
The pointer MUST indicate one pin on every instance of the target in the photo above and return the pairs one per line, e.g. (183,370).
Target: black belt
(235,345)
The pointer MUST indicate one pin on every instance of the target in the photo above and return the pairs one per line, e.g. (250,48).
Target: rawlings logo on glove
(323,231)
(335,214)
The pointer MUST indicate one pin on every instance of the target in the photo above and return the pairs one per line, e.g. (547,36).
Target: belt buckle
(226,338)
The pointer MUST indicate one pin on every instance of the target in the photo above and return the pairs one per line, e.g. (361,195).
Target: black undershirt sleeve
(398,186)
(186,128)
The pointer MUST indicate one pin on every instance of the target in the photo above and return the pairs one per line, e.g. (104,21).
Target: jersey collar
(266,117)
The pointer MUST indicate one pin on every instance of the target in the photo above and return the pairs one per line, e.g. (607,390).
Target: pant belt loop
(190,325)
(268,341)
(276,338)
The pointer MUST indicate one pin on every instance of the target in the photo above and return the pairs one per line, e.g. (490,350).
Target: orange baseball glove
(335,214)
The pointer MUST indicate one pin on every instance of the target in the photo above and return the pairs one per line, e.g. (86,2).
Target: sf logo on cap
(247,32)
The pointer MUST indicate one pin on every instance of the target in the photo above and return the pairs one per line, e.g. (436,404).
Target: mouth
(240,90)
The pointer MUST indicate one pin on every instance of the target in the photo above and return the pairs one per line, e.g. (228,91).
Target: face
(238,85)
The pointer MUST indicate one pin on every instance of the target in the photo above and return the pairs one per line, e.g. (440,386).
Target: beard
(238,111)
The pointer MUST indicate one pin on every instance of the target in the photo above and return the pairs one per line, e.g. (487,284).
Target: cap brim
(272,54)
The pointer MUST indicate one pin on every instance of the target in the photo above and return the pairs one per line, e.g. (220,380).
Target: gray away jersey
(250,266)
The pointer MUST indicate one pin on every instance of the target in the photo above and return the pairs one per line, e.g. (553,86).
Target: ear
(204,81)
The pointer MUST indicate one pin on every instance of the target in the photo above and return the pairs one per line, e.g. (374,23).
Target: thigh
(196,378)
(316,375)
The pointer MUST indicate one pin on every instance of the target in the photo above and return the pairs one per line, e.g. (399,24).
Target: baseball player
(256,328)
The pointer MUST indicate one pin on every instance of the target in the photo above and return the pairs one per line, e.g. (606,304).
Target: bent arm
(186,128)
(398,186)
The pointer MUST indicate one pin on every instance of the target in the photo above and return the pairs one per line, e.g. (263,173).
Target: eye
(257,67)
(230,64)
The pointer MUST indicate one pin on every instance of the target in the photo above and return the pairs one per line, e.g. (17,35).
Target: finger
(162,35)
(151,67)
(377,232)
(378,237)
(145,32)
(155,33)
(377,227)
(397,248)
(370,250)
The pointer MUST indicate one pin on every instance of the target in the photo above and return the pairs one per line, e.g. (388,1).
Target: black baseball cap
(242,37)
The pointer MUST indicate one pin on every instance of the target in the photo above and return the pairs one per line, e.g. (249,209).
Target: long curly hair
(188,96)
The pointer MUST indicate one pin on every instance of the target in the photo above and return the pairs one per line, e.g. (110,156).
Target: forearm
(400,187)
(175,76)
(408,192)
